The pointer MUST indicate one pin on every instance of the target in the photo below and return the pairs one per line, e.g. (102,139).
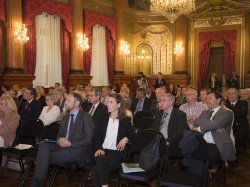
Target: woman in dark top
(113,132)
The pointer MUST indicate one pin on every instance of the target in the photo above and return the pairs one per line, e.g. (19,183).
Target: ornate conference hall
(105,47)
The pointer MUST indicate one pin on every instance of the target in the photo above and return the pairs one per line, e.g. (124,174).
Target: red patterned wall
(2,16)
(31,8)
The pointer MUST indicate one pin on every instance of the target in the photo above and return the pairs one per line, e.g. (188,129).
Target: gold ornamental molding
(221,21)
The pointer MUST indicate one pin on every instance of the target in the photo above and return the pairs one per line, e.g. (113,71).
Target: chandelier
(82,42)
(178,50)
(21,33)
(124,48)
(172,9)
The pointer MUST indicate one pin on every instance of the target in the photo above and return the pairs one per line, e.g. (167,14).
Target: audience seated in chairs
(74,141)
(9,121)
(111,137)
(31,109)
(169,120)
(51,112)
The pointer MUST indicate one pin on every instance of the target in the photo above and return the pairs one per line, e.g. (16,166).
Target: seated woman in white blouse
(112,133)
(50,112)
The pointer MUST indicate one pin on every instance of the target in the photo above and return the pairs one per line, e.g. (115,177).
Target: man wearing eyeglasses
(169,120)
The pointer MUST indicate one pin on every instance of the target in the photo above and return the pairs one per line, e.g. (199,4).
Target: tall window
(48,50)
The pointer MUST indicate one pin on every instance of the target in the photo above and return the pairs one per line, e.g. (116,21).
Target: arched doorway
(144,56)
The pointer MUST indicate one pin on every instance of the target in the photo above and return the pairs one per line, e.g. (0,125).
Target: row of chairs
(29,133)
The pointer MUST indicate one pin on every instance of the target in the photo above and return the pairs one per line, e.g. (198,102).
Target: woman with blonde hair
(40,95)
(51,112)
(9,120)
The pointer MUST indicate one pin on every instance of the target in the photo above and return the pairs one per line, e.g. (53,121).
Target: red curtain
(64,52)
(31,8)
(229,37)
(90,20)
(30,49)
(204,60)
(2,13)
(228,62)
(110,53)
(1,46)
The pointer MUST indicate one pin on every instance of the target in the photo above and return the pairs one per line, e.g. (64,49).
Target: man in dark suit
(96,108)
(169,120)
(234,81)
(155,103)
(141,102)
(32,108)
(60,99)
(74,141)
(160,81)
(240,110)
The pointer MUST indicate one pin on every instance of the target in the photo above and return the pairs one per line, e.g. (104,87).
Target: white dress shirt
(208,135)
(111,135)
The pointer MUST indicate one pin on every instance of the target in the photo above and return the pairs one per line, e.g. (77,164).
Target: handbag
(150,155)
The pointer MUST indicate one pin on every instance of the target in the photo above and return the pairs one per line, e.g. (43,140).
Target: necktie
(232,104)
(71,125)
(91,112)
(163,118)
(139,106)
(27,105)
(210,114)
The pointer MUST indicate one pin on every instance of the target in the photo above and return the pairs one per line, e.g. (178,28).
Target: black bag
(150,155)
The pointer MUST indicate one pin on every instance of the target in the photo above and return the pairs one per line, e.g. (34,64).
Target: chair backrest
(144,123)
(29,131)
(141,114)
(50,131)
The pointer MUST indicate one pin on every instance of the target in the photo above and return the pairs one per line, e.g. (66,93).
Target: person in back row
(141,102)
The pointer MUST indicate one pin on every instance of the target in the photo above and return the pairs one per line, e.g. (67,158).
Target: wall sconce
(124,48)
(20,33)
(178,49)
(82,42)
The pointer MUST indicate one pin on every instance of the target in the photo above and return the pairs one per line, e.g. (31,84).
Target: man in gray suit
(74,141)
(215,124)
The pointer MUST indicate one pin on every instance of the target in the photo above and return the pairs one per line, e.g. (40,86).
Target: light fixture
(82,42)
(21,33)
(178,49)
(143,55)
(172,9)
(124,48)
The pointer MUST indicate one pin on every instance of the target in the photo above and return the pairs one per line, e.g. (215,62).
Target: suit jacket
(177,123)
(240,111)
(32,111)
(125,130)
(82,135)
(146,104)
(8,128)
(234,82)
(160,83)
(100,110)
(221,120)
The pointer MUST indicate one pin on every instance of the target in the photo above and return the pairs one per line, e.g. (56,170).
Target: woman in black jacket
(113,132)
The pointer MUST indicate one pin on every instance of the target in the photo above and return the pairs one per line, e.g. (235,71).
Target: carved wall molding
(160,39)
(222,21)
